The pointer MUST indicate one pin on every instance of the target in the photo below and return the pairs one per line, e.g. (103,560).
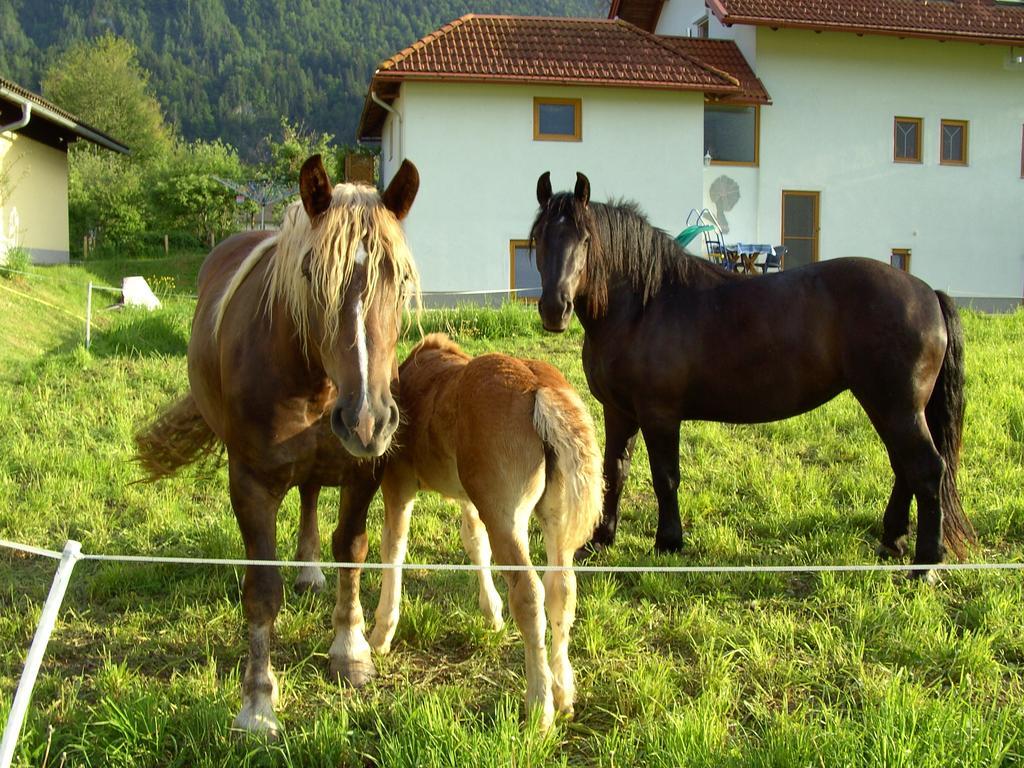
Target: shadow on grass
(143,334)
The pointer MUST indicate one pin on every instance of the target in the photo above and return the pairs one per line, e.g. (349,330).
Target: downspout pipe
(398,116)
(17,125)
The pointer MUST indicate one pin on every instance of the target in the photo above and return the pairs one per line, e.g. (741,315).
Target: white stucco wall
(677,16)
(34,213)
(830,129)
(473,145)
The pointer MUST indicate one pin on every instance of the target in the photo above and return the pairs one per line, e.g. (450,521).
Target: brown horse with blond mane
(291,365)
(504,437)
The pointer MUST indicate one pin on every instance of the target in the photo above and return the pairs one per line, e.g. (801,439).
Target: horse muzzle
(555,311)
(365,431)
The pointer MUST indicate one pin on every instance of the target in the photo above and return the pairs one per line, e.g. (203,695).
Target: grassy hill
(770,670)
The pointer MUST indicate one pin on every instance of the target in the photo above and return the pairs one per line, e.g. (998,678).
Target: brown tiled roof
(724,55)
(983,21)
(521,49)
(76,130)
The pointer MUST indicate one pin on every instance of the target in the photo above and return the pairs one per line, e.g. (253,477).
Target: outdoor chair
(774,260)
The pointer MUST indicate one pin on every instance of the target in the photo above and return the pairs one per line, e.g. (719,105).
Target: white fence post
(47,619)
(88,317)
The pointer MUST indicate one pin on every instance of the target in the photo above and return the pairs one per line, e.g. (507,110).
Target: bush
(16,260)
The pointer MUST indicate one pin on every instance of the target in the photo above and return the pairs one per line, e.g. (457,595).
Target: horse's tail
(177,436)
(945,416)
(567,431)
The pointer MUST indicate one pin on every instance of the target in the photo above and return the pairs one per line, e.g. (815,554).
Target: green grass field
(762,670)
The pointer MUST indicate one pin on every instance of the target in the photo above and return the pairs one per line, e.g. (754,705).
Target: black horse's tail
(945,416)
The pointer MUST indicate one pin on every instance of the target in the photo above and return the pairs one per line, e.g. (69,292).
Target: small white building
(894,130)
(34,139)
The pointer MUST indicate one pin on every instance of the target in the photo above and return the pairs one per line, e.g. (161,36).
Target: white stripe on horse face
(364,365)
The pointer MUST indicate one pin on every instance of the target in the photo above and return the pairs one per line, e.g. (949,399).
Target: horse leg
(255,508)
(910,444)
(310,577)
(478,547)
(662,439)
(620,436)
(399,490)
(350,653)
(896,521)
(559,600)
(505,511)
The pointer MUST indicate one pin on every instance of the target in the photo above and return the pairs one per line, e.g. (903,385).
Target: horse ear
(582,189)
(544,189)
(314,187)
(402,190)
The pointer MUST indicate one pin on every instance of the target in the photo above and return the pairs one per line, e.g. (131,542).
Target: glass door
(800,227)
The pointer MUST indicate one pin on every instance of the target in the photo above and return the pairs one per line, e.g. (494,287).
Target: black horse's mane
(624,242)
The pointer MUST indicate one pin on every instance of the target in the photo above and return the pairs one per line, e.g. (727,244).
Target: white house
(486,104)
(34,139)
(894,130)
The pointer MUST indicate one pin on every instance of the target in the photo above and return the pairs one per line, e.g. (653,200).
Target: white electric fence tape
(72,553)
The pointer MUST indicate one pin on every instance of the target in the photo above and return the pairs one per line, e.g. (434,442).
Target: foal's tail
(178,436)
(567,431)
(945,416)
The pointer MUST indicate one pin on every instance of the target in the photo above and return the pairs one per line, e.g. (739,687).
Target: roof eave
(563,81)
(721,12)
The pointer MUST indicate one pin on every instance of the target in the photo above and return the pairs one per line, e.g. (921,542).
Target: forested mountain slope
(231,69)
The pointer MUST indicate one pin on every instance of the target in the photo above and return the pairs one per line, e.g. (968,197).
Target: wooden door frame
(816,239)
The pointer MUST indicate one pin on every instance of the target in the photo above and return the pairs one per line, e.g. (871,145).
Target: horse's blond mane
(356,215)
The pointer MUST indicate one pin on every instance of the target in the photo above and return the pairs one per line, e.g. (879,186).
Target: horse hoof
(257,721)
(668,545)
(892,551)
(379,641)
(589,550)
(928,577)
(355,673)
(310,582)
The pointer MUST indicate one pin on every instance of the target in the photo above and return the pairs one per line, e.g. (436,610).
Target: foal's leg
(399,490)
(350,653)
(507,520)
(620,436)
(559,599)
(310,577)
(478,547)
(662,439)
(255,508)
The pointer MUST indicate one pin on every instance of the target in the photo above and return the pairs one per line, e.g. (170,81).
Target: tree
(102,83)
(189,199)
(297,144)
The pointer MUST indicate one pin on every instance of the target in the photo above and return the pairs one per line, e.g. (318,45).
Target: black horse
(661,344)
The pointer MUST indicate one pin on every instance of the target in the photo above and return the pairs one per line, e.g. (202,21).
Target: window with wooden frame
(701,28)
(906,140)
(523,275)
(1022,151)
(557,119)
(732,134)
(954,142)
(900,258)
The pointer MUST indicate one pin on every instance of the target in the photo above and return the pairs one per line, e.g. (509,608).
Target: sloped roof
(983,21)
(557,51)
(50,123)
(724,55)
